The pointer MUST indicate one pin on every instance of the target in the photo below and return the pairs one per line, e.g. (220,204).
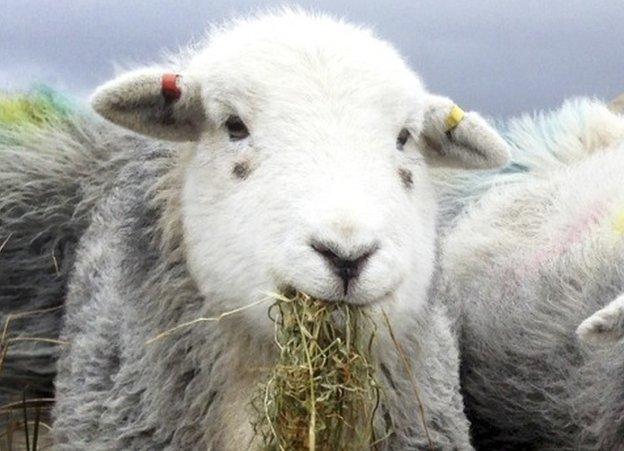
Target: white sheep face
(310,169)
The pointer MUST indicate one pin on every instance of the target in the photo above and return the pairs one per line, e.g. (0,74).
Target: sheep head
(312,143)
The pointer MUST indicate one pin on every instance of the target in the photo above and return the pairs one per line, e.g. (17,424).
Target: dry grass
(322,393)
(26,426)
(6,340)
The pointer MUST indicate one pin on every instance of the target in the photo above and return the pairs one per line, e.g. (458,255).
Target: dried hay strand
(322,393)
(22,431)
(6,341)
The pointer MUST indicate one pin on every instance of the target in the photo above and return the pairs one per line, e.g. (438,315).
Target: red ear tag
(169,87)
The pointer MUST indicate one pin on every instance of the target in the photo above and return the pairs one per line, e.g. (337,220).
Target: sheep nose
(346,265)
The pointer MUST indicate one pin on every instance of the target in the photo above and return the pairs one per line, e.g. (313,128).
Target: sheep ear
(163,105)
(453,138)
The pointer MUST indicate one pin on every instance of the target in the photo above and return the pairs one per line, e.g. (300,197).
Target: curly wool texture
(50,158)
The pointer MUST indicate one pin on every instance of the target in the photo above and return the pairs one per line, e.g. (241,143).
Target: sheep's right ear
(452,138)
(163,105)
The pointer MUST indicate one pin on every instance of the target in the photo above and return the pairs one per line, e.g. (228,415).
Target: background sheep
(54,165)
(617,105)
(296,148)
(530,253)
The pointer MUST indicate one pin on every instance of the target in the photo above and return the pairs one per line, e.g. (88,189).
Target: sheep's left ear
(454,138)
(154,103)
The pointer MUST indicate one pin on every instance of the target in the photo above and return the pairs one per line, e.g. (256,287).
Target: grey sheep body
(128,282)
(50,180)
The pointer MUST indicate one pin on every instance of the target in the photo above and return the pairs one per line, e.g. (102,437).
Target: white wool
(524,264)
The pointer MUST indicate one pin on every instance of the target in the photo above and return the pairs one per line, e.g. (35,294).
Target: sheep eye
(236,128)
(402,139)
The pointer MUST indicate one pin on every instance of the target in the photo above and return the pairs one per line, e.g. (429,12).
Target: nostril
(346,265)
(344,259)
(325,251)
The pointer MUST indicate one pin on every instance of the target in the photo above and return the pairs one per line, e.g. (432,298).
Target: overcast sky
(501,57)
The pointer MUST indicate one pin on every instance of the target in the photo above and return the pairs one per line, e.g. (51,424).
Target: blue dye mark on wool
(23,114)
(537,143)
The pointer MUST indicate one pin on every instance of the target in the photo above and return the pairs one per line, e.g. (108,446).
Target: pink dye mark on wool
(571,235)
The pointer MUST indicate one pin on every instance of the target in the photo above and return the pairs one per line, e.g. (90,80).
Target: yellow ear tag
(454,118)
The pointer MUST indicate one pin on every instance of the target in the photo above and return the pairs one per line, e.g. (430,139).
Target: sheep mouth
(292,292)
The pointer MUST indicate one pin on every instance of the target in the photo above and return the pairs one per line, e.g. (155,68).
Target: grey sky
(498,56)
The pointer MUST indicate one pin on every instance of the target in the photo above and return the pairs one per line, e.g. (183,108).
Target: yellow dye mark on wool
(618,224)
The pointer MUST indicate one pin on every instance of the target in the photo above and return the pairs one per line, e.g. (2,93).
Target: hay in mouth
(322,393)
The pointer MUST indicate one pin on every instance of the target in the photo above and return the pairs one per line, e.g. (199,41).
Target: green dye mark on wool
(38,107)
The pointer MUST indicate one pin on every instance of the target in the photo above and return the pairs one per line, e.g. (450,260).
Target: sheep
(277,136)
(531,257)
